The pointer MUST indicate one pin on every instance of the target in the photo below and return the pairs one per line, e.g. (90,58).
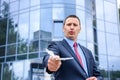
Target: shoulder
(54,42)
(60,42)
(55,46)
(86,49)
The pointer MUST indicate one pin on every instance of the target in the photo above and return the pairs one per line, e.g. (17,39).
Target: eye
(75,24)
(69,24)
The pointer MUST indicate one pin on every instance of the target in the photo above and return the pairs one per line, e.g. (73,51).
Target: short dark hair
(72,16)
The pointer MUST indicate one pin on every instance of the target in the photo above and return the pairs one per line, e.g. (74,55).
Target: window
(24,4)
(101,42)
(99,9)
(11,49)
(110,8)
(113,45)
(57,29)
(23,27)
(14,6)
(111,27)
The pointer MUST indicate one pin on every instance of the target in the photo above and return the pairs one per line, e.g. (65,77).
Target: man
(82,68)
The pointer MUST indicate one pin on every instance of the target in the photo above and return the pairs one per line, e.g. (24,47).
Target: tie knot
(75,44)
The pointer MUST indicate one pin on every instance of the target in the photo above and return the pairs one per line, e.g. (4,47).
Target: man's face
(71,28)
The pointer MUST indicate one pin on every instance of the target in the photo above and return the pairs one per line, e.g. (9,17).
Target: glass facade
(27,26)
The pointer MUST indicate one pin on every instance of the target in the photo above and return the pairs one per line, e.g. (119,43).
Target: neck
(74,40)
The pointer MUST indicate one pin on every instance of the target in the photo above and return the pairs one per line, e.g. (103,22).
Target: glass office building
(27,26)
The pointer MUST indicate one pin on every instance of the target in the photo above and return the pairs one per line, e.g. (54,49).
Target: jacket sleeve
(93,67)
(96,71)
(52,47)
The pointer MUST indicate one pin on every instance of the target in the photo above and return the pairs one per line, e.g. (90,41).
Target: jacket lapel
(87,59)
(67,46)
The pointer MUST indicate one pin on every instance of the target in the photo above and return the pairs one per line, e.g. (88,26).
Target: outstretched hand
(54,63)
(91,78)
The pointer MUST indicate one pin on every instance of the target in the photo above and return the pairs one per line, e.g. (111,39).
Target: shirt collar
(70,42)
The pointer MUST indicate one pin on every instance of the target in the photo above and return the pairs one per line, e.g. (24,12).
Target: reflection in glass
(12,29)
(101,42)
(111,27)
(14,6)
(12,0)
(34,2)
(103,65)
(114,63)
(12,58)
(103,62)
(100,25)
(57,29)
(0,70)
(7,72)
(11,49)
(2,1)
(34,24)
(33,55)
(110,8)
(3,30)
(81,15)
(46,28)
(24,4)
(99,9)
(90,34)
(34,31)
(44,44)
(2,59)
(114,67)
(23,27)
(89,27)
(2,51)
(22,57)
(88,4)
(90,46)
(28,70)
(37,71)
(80,2)
(112,44)
(58,13)
(45,1)
(16,70)
(45,38)
(18,73)
(42,54)
(46,20)
(22,48)
(57,1)
(113,1)
(34,46)
(70,10)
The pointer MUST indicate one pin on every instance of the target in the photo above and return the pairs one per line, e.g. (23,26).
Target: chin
(71,38)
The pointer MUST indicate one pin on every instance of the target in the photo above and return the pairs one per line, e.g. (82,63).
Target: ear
(80,29)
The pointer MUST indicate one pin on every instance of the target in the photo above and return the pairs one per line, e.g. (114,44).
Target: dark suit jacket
(71,69)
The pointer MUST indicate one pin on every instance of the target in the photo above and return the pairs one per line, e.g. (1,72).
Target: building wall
(108,36)
(27,26)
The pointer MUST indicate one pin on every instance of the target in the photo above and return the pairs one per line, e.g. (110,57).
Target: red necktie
(77,54)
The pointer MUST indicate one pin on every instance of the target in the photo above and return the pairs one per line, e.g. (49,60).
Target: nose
(72,26)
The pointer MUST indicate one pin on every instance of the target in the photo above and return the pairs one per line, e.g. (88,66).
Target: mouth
(71,32)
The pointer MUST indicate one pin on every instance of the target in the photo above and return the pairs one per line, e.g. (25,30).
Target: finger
(53,64)
(92,78)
